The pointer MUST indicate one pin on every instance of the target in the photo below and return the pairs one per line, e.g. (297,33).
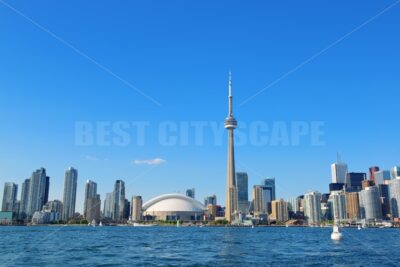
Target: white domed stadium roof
(173,202)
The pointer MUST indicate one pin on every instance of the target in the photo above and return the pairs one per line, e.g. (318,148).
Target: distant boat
(336,234)
(359,227)
(142,225)
(93,223)
(178,223)
(100,224)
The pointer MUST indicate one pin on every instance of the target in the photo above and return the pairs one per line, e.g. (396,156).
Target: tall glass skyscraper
(268,192)
(37,191)
(242,184)
(90,192)
(210,200)
(108,206)
(312,208)
(69,199)
(370,204)
(381,177)
(339,171)
(394,195)
(9,197)
(23,207)
(337,200)
(119,201)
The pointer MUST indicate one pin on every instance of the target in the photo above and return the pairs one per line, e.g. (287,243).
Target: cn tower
(231,191)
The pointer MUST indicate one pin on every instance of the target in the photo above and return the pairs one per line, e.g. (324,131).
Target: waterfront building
(268,193)
(312,208)
(355,181)
(372,171)
(69,198)
(90,192)
(190,193)
(242,184)
(212,211)
(119,201)
(93,209)
(137,203)
(395,172)
(172,207)
(293,205)
(370,203)
(279,211)
(231,193)
(23,207)
(6,217)
(37,191)
(385,200)
(382,176)
(339,171)
(9,197)
(259,204)
(108,206)
(394,195)
(210,200)
(352,206)
(337,200)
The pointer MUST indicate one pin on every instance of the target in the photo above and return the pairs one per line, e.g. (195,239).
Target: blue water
(194,246)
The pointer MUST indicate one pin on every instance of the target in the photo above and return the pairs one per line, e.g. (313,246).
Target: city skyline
(80,91)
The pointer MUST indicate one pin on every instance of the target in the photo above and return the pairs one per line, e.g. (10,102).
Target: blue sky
(179,53)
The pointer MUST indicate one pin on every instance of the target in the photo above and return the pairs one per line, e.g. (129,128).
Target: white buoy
(336,235)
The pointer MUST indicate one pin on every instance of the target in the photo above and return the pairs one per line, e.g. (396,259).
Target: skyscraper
(242,184)
(268,193)
(395,172)
(47,189)
(137,203)
(381,176)
(210,200)
(293,204)
(9,197)
(119,201)
(231,193)
(372,171)
(339,172)
(352,206)
(279,211)
(394,194)
(312,208)
(108,206)
(90,192)
(370,204)
(37,191)
(93,209)
(338,205)
(24,199)
(190,193)
(259,204)
(354,181)
(69,199)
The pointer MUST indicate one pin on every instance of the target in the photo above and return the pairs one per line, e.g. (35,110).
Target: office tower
(394,195)
(269,192)
(367,183)
(355,180)
(46,190)
(279,211)
(242,185)
(370,204)
(372,171)
(382,176)
(37,191)
(127,209)
(190,193)
(337,200)
(70,183)
(259,206)
(24,199)
(108,206)
(9,197)
(395,172)
(293,205)
(336,187)
(210,200)
(385,200)
(212,211)
(352,206)
(93,209)
(339,171)
(231,194)
(53,206)
(137,203)
(119,201)
(90,192)
(312,208)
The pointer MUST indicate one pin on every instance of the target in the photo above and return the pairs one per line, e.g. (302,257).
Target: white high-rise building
(294,204)
(381,177)
(370,203)
(394,196)
(9,197)
(37,192)
(312,208)
(69,199)
(395,172)
(339,172)
(90,192)
(338,205)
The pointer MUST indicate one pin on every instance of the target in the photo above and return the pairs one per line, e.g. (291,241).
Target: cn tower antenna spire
(230,94)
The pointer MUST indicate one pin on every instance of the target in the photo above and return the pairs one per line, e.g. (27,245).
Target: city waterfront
(195,246)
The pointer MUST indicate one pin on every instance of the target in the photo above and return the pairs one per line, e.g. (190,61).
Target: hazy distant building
(279,211)
(210,200)
(90,192)
(312,208)
(394,194)
(137,203)
(339,171)
(372,171)
(69,198)
(9,197)
(352,206)
(190,193)
(355,180)
(119,201)
(338,205)
(37,191)
(242,184)
(370,204)
(381,176)
(395,172)
(93,209)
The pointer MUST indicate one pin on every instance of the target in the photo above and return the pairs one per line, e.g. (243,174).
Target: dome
(173,203)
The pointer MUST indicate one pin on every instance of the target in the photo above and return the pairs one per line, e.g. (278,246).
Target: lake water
(194,246)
